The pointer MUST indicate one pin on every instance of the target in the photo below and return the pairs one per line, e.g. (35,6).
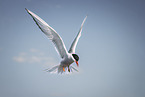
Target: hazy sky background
(111,49)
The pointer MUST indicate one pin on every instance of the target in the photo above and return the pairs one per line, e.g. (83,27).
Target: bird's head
(76,57)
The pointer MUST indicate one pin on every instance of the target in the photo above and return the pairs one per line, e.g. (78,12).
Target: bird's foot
(68,70)
(63,69)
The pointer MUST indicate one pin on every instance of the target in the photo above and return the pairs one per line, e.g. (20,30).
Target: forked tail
(60,69)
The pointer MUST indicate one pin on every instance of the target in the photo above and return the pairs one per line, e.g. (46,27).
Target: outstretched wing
(73,46)
(50,33)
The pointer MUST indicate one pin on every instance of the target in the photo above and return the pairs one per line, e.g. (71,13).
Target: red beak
(77,63)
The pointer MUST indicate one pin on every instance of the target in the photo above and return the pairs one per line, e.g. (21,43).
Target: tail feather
(72,68)
(53,69)
(59,69)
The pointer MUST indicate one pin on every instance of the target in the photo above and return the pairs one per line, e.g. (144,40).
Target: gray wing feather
(50,33)
(74,44)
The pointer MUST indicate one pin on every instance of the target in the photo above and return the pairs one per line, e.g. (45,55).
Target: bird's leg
(63,69)
(68,69)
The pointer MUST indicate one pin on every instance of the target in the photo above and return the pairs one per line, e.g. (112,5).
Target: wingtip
(86,16)
(26,9)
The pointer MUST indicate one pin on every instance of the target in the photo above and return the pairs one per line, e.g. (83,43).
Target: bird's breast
(67,61)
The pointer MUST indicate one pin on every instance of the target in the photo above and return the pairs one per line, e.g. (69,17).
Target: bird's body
(68,57)
(67,60)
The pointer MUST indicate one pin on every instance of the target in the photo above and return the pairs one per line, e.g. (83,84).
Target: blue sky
(111,48)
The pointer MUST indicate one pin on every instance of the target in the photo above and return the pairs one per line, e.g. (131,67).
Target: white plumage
(68,57)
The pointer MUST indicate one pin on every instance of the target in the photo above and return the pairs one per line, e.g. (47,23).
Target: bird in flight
(68,57)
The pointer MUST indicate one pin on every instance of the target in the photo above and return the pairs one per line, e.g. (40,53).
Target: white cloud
(34,56)
(19,59)
(33,50)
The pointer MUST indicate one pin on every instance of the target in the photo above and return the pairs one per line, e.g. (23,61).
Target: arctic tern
(68,57)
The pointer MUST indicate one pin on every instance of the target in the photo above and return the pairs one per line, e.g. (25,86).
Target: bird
(67,57)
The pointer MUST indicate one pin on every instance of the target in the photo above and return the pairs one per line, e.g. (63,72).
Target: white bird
(68,57)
